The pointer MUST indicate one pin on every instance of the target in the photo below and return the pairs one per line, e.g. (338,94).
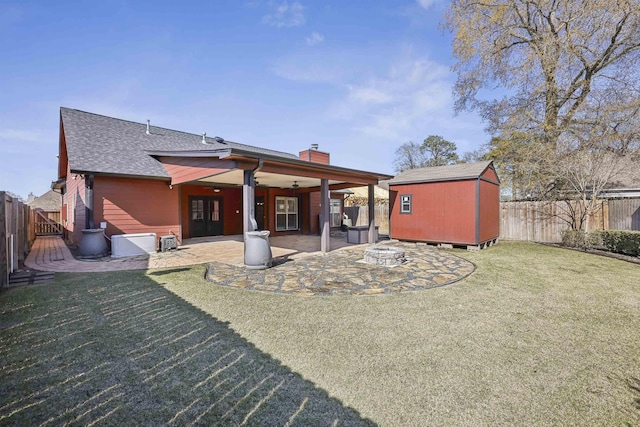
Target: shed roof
(455,172)
(101,144)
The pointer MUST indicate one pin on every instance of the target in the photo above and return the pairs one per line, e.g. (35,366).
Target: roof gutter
(297,162)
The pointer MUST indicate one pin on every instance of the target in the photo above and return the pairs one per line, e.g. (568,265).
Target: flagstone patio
(344,272)
(299,266)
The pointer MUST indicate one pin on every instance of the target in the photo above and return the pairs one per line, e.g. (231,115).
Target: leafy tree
(409,156)
(439,151)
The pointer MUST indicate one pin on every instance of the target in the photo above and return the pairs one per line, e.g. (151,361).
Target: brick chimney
(313,155)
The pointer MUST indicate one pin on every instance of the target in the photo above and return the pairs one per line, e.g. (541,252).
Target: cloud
(314,66)
(285,15)
(426,4)
(18,135)
(407,95)
(384,94)
(314,39)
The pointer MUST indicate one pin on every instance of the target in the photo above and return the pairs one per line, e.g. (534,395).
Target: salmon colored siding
(74,199)
(489,211)
(191,168)
(441,212)
(131,205)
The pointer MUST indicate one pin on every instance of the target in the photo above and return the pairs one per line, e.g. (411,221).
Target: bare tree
(409,156)
(555,58)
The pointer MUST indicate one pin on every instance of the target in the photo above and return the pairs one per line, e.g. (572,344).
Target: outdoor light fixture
(216,189)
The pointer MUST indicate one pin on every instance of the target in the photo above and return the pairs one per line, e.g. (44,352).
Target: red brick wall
(315,156)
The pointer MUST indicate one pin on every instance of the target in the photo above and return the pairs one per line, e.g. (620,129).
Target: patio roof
(226,167)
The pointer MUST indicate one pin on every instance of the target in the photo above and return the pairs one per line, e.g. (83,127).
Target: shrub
(622,242)
(574,238)
(581,239)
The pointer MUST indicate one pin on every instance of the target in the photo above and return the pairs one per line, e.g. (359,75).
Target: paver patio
(50,253)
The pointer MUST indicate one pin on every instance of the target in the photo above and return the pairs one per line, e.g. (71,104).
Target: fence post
(4,267)
(15,220)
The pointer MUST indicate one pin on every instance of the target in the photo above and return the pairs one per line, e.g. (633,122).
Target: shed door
(205,216)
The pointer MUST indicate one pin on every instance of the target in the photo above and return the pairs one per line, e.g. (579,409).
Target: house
(50,201)
(625,181)
(457,204)
(140,178)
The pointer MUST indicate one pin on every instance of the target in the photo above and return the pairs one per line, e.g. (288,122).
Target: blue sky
(359,78)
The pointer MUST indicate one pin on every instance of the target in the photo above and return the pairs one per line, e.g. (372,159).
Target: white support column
(324,216)
(372,215)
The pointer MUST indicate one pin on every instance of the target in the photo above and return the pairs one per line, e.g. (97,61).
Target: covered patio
(285,195)
(50,253)
(299,267)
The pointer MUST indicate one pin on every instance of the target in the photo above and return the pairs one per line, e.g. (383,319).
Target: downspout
(252,207)
(88,192)
(249,222)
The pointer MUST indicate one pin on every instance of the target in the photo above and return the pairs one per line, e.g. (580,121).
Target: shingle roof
(627,174)
(441,173)
(102,144)
(49,201)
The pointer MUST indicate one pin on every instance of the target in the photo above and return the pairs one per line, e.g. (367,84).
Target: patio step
(30,277)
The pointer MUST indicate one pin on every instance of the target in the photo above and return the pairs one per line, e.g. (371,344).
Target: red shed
(457,204)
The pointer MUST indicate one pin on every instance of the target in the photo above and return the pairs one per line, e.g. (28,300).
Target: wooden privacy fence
(539,221)
(359,215)
(17,234)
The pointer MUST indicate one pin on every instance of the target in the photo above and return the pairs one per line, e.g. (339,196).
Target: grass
(536,336)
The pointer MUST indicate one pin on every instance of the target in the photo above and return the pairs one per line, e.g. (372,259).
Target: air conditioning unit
(168,243)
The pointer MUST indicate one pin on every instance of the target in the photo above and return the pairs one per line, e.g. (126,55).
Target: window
(405,203)
(286,213)
(214,209)
(335,212)
(197,210)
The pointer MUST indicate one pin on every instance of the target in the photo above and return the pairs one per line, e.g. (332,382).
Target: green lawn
(536,336)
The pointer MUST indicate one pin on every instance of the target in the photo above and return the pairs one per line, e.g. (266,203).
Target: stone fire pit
(384,255)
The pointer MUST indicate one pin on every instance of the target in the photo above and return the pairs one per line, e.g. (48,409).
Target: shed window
(405,203)
(286,213)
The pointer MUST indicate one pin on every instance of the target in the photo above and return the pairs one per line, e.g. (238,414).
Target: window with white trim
(335,213)
(405,203)
(286,213)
